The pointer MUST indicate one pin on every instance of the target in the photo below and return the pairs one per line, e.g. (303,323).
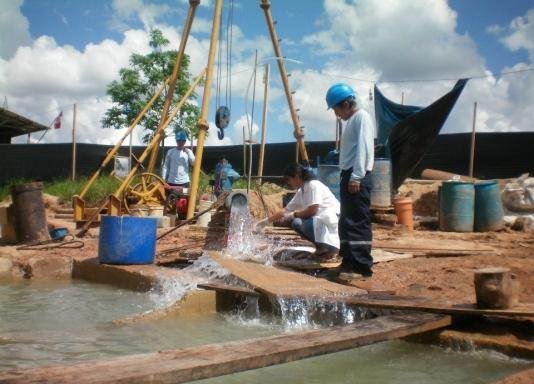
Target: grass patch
(99,191)
(64,189)
(104,186)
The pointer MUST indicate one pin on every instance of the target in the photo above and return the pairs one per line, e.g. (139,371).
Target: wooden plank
(436,246)
(307,264)
(522,309)
(187,364)
(228,288)
(277,282)
(382,256)
(303,264)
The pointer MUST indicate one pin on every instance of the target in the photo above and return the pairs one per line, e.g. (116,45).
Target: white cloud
(61,16)
(521,34)
(14,28)
(146,12)
(396,40)
(366,40)
(45,78)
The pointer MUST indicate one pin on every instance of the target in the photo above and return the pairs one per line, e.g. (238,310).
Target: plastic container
(329,175)
(381,183)
(204,219)
(127,240)
(457,206)
(488,206)
(155,210)
(59,233)
(404,211)
(29,212)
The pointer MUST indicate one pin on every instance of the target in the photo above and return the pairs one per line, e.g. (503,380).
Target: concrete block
(5,265)
(47,267)
(197,303)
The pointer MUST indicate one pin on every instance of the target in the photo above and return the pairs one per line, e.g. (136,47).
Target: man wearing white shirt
(178,163)
(356,162)
(313,211)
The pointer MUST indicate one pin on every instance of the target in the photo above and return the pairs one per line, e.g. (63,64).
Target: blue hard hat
(337,93)
(181,136)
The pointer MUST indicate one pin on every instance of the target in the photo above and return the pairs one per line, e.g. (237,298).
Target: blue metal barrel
(127,240)
(488,206)
(381,183)
(329,175)
(457,206)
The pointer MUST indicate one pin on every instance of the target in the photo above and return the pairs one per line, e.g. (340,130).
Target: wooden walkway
(424,305)
(187,364)
(281,283)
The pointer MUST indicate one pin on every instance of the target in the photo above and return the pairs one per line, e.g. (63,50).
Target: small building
(12,125)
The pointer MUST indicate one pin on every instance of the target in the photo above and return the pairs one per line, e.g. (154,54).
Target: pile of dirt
(424,197)
(264,205)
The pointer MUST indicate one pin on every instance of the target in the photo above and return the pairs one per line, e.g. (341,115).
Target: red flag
(57,120)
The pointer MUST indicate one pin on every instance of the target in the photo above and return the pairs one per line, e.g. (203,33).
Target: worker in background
(313,211)
(225,176)
(356,159)
(178,163)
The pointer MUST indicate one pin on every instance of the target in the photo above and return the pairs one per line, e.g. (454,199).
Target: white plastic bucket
(155,210)
(204,219)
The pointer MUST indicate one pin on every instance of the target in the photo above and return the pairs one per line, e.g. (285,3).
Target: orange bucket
(404,211)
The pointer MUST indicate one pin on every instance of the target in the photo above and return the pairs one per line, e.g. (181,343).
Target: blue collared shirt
(357,145)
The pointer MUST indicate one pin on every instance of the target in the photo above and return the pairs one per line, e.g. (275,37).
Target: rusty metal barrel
(30,215)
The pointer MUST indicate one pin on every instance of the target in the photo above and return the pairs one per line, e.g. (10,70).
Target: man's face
(342,111)
(180,143)
(293,181)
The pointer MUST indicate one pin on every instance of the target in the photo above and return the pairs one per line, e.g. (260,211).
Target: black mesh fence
(498,155)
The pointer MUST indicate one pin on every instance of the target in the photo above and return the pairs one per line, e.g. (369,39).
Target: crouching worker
(313,211)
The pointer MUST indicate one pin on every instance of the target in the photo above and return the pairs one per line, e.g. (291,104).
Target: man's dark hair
(351,101)
(296,169)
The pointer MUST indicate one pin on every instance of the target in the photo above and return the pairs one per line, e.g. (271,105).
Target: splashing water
(168,291)
(241,239)
(243,243)
(305,313)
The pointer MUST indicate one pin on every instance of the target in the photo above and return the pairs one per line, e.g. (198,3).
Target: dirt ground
(444,278)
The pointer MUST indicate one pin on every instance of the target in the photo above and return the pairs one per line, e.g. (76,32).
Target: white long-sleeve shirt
(325,220)
(357,145)
(176,166)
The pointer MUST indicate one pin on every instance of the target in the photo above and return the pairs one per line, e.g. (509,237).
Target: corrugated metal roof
(12,124)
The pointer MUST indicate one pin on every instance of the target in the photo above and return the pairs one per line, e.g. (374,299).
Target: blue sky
(54,53)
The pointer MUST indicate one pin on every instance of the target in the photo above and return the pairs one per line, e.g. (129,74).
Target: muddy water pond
(57,322)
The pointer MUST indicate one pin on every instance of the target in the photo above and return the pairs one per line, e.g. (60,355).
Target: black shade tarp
(415,131)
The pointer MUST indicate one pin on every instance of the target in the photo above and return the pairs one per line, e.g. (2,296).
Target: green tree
(141,80)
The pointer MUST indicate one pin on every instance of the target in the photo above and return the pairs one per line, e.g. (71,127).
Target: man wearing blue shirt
(356,162)
(178,162)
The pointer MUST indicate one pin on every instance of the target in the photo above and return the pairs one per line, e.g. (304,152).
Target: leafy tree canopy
(141,80)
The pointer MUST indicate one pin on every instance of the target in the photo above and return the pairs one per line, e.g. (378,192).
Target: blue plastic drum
(127,240)
(457,206)
(329,176)
(488,206)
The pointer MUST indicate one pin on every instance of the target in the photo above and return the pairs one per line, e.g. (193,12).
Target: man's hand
(354,186)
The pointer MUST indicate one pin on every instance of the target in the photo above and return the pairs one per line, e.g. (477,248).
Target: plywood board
(277,282)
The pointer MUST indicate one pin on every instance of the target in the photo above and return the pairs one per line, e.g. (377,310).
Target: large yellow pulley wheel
(150,191)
